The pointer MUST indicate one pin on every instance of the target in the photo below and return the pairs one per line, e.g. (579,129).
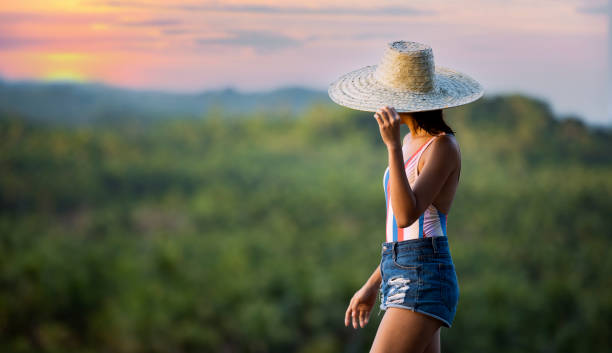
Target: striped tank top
(431,223)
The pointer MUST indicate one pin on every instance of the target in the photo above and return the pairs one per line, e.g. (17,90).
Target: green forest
(251,232)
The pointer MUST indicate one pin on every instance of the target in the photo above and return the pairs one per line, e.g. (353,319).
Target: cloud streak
(261,42)
(75,19)
(100,43)
(284,10)
(157,22)
(14,42)
(54,18)
(593,10)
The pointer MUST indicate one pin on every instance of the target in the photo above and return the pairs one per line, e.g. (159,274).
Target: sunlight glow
(64,75)
(65,57)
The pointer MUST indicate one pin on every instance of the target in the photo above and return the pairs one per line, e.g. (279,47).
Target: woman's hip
(419,274)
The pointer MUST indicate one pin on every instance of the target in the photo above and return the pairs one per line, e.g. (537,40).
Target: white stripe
(384,177)
(412,231)
(431,223)
(390,222)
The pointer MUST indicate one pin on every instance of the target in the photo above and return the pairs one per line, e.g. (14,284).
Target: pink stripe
(388,201)
(417,151)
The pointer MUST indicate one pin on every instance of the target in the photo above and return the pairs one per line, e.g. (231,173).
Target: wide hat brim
(359,90)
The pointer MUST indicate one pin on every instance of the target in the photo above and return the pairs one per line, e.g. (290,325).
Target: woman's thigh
(434,343)
(404,331)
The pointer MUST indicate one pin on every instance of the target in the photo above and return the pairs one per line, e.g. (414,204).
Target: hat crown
(407,66)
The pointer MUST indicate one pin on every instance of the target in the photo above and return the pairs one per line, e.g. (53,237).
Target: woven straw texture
(407,79)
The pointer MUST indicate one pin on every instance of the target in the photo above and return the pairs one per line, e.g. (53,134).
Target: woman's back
(445,197)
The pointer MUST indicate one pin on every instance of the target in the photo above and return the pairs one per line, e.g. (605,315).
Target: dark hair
(431,121)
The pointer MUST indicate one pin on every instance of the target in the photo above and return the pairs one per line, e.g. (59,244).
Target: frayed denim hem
(444,322)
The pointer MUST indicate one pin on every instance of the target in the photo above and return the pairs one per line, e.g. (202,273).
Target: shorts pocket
(449,287)
(406,262)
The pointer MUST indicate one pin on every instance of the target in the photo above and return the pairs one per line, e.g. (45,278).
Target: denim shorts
(419,275)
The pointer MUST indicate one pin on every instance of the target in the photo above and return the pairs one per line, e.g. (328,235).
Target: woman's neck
(415,131)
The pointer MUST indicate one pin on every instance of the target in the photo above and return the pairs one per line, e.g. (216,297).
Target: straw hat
(406,79)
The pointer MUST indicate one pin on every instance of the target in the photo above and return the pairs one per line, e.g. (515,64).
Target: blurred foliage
(251,235)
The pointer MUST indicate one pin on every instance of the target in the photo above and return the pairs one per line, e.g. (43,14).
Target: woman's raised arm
(409,204)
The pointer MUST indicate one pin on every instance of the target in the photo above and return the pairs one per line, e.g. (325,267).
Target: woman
(416,277)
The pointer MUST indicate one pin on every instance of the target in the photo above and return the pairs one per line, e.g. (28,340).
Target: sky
(556,50)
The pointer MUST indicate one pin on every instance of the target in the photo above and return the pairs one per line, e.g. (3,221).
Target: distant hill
(85,103)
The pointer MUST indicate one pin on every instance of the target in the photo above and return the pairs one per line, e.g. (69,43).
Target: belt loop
(434,245)
(394,251)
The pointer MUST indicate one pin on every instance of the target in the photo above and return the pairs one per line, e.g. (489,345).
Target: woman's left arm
(409,204)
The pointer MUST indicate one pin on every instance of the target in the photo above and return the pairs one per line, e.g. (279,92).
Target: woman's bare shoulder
(449,140)
(446,146)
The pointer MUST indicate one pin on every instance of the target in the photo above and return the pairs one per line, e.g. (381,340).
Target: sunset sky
(553,49)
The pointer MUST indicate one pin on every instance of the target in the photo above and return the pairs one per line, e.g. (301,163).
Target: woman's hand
(361,305)
(389,125)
